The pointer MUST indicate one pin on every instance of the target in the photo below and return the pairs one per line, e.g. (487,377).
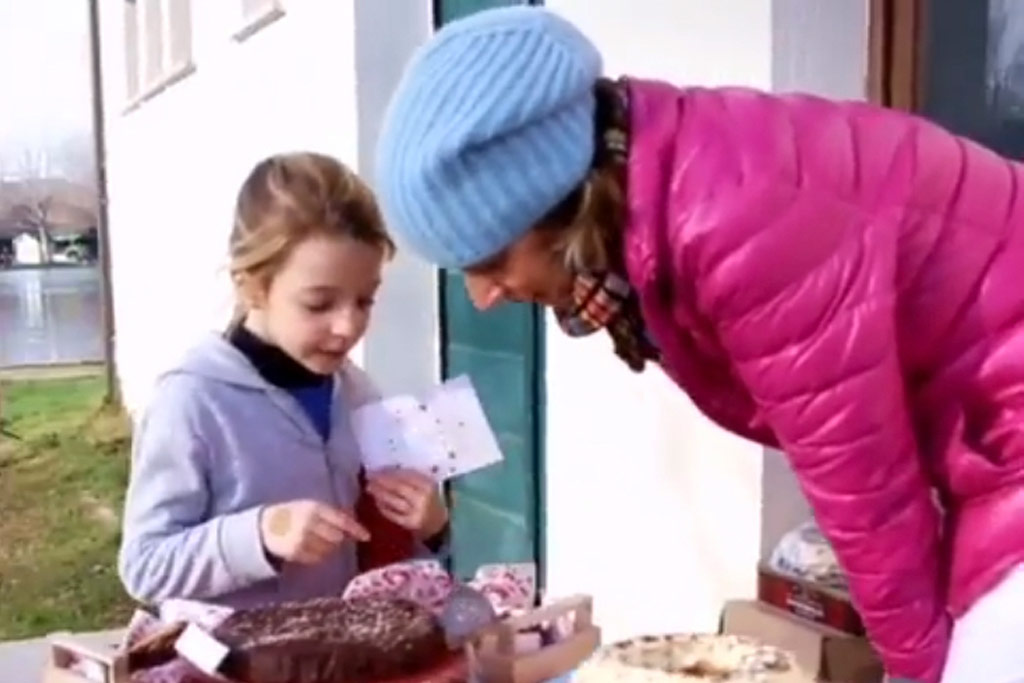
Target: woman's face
(530,270)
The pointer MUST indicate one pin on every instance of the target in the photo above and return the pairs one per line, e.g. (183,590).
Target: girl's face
(317,306)
(528,271)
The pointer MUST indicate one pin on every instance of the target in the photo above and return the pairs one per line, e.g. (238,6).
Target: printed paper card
(446,434)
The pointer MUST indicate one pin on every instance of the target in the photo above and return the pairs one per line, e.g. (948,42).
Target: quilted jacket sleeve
(799,286)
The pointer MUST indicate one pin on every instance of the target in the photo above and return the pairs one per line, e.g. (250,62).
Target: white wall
(176,161)
(408,308)
(651,508)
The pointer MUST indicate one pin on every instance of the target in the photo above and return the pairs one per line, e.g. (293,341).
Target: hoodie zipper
(291,407)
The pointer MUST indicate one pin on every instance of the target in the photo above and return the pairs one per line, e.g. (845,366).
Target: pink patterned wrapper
(202,614)
(176,671)
(509,587)
(424,582)
(142,625)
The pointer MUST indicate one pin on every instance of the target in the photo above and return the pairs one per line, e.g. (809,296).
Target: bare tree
(45,190)
(28,198)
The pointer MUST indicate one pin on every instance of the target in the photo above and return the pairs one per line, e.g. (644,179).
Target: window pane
(252,9)
(974,70)
(153,25)
(131,50)
(179,33)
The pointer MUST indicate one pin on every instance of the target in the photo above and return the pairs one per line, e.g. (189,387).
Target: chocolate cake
(331,641)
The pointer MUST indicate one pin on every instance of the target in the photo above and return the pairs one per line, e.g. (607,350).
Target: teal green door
(497,512)
(447,10)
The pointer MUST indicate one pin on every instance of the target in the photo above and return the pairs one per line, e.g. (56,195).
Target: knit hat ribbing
(491,126)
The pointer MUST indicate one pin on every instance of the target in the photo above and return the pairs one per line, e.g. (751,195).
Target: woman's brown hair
(590,219)
(288,198)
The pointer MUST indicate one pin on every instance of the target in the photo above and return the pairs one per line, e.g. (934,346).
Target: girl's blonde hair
(288,198)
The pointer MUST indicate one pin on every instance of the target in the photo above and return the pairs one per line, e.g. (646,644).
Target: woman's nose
(483,292)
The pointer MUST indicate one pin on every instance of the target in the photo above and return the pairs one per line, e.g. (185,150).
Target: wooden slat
(878,51)
(905,39)
(895,53)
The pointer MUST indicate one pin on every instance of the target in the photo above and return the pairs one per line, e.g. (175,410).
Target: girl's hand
(409,499)
(306,531)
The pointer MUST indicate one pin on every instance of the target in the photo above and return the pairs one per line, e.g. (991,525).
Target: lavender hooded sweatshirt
(217,444)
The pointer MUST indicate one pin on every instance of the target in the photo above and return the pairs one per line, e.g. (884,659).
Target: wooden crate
(492,653)
(105,664)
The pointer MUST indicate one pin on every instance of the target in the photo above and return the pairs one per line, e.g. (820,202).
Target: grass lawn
(61,490)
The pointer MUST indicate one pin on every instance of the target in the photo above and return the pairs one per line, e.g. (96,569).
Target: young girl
(246,484)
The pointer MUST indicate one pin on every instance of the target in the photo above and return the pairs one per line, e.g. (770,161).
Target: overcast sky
(44,73)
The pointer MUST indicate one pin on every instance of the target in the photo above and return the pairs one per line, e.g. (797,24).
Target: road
(50,316)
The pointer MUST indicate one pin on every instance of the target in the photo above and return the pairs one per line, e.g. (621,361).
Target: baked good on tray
(691,659)
(332,640)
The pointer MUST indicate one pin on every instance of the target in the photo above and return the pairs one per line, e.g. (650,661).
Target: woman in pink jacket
(840,281)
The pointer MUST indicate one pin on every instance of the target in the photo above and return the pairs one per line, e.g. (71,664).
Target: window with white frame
(158,45)
(256,14)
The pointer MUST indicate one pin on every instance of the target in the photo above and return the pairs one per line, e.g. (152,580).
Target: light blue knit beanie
(491,126)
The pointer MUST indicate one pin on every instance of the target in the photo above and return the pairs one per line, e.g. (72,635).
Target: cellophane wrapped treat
(509,587)
(806,554)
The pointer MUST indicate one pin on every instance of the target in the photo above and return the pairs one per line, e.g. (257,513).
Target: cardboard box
(830,654)
(808,600)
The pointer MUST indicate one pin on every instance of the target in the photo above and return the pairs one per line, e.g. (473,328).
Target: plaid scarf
(606,300)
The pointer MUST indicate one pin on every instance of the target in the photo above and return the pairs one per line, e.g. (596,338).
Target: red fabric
(845,282)
(389,542)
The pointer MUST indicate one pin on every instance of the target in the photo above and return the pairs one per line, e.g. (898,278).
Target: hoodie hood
(217,359)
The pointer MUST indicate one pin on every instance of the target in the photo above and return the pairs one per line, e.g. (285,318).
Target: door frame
(539,393)
(897,53)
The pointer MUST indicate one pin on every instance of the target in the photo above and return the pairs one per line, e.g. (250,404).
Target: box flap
(851,660)
(825,652)
(775,627)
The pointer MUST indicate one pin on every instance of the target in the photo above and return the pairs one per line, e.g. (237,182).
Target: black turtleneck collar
(273,364)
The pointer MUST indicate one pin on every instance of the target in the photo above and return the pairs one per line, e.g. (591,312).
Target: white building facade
(627,493)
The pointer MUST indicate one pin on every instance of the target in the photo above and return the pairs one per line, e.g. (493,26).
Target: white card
(445,435)
(471,442)
(395,432)
(204,651)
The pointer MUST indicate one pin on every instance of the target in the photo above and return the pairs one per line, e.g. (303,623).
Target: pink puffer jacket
(847,283)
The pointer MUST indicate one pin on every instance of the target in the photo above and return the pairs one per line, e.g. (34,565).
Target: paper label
(444,435)
(204,651)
